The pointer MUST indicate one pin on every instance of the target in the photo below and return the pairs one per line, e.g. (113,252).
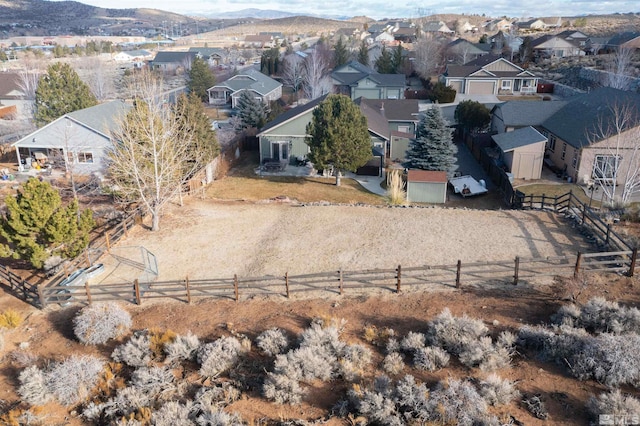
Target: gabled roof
(134,53)
(622,38)
(394,109)
(429,176)
(573,35)
(250,79)
(554,39)
(527,113)
(472,48)
(480,65)
(258,38)
(376,123)
(518,138)
(174,57)
(206,52)
(436,27)
(577,120)
(9,85)
(291,114)
(352,72)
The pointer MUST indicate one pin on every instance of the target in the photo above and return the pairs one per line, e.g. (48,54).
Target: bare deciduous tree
(293,72)
(150,157)
(428,56)
(100,84)
(618,162)
(316,80)
(618,70)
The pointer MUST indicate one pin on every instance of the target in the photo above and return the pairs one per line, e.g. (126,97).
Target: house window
(404,129)
(506,84)
(605,167)
(552,143)
(564,151)
(574,162)
(85,157)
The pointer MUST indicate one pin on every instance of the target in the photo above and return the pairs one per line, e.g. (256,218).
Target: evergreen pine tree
(340,54)
(192,120)
(338,136)
(251,111)
(201,78)
(363,54)
(60,91)
(384,63)
(433,147)
(37,225)
(397,58)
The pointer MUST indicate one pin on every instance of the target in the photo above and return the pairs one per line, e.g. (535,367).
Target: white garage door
(456,85)
(481,87)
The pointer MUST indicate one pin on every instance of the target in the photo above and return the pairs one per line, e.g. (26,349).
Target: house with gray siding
(261,86)
(356,80)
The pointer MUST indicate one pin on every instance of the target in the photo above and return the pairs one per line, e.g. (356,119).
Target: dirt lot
(204,239)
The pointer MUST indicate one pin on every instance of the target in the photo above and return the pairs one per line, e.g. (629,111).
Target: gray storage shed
(426,186)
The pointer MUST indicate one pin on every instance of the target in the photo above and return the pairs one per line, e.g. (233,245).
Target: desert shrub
(613,403)
(393,363)
(173,413)
(19,417)
(97,323)
(136,352)
(412,342)
(535,405)
(377,405)
(72,380)
(220,395)
(158,339)
(600,316)
(454,333)
(392,345)
(282,389)
(182,348)
(498,391)
(273,341)
(218,418)
(413,398)
(327,338)
(219,356)
(52,265)
(458,402)
(23,358)
(354,361)
(153,380)
(487,355)
(127,401)
(430,358)
(10,319)
(33,386)
(307,364)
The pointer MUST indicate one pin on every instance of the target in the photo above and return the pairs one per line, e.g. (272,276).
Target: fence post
(399,277)
(458,270)
(124,227)
(576,270)
(341,279)
(530,201)
(43,301)
(107,241)
(186,286)
(542,203)
(66,270)
(86,289)
(136,288)
(516,270)
(286,282)
(235,286)
(632,267)
(9,278)
(608,233)
(87,258)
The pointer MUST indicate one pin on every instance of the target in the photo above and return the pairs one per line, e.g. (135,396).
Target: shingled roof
(518,138)
(520,113)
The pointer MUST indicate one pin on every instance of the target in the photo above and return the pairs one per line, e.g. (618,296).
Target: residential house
(12,98)
(259,41)
(284,138)
(503,42)
(214,56)
(405,34)
(466,27)
(576,36)
(498,25)
(490,75)
(350,33)
(357,80)
(532,25)
(249,79)
(77,141)
(522,152)
(626,40)
(385,37)
(173,61)
(578,148)
(461,51)
(133,56)
(512,115)
(556,46)
(401,117)
(437,27)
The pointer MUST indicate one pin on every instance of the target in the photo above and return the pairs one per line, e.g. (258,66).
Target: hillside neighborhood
(313,221)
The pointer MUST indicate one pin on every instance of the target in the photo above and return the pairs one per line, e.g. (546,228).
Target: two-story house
(356,80)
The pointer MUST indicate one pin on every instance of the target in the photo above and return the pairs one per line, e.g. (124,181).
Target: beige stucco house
(490,75)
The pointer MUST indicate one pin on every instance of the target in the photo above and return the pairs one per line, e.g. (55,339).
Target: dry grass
(243,184)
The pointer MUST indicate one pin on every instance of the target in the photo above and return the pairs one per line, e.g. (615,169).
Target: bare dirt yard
(205,239)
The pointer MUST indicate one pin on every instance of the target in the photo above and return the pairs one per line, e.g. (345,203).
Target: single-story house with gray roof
(76,142)
(260,85)
(522,152)
(356,80)
(512,115)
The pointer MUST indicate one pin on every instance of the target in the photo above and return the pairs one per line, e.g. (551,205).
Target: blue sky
(378,9)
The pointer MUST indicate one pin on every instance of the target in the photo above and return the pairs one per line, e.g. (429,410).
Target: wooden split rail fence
(341,282)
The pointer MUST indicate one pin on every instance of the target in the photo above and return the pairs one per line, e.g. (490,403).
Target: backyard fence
(342,282)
